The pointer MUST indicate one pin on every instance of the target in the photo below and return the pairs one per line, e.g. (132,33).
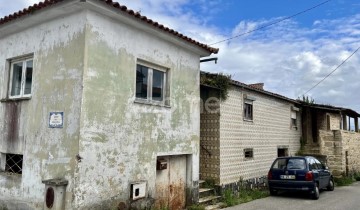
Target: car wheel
(316,194)
(331,185)
(273,192)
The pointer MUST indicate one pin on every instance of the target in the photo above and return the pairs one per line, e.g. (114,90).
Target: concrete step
(208,199)
(201,190)
(215,206)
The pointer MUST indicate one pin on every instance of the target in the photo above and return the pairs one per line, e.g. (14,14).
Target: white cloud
(288,58)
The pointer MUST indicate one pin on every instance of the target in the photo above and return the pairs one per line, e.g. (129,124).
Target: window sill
(248,120)
(152,103)
(248,159)
(4,100)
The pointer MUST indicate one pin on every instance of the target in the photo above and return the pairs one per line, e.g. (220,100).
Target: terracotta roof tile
(137,15)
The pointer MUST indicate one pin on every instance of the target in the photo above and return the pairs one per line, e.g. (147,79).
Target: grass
(196,207)
(343,181)
(245,195)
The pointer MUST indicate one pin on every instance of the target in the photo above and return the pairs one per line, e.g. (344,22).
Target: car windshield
(294,163)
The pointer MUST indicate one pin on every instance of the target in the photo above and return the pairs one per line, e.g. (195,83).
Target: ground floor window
(12,163)
(281,152)
(248,153)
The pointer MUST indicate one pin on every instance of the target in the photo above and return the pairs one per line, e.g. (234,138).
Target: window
(282,152)
(150,84)
(12,164)
(248,153)
(293,119)
(248,110)
(21,72)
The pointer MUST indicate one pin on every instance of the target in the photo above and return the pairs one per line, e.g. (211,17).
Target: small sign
(56,119)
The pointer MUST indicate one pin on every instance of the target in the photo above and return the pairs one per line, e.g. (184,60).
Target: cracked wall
(58,50)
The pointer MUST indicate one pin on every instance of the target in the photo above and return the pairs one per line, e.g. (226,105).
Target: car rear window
(295,163)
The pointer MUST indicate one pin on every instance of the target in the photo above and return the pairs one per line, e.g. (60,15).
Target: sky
(290,57)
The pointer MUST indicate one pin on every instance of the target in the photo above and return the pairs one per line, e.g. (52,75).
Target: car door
(314,168)
(324,174)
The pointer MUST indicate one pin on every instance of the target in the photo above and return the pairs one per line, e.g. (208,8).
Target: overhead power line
(272,23)
(344,61)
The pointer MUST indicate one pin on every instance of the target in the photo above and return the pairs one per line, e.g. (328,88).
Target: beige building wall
(270,129)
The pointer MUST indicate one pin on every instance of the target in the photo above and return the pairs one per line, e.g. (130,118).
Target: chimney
(259,86)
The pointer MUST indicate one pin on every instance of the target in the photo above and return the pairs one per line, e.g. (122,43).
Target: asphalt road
(342,198)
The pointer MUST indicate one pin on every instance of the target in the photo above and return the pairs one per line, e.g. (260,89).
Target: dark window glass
(14,163)
(28,77)
(248,111)
(248,153)
(296,164)
(16,78)
(141,81)
(157,85)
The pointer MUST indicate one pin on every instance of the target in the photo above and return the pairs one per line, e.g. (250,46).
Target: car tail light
(269,175)
(309,176)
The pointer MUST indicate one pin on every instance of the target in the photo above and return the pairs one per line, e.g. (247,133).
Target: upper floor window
(293,119)
(151,84)
(21,72)
(248,110)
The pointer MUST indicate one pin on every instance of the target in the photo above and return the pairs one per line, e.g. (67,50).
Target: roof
(256,88)
(346,111)
(31,10)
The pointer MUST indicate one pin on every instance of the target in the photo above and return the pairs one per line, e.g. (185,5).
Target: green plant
(343,181)
(209,183)
(245,195)
(196,207)
(220,81)
(229,198)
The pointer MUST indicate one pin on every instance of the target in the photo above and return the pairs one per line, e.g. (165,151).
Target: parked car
(306,174)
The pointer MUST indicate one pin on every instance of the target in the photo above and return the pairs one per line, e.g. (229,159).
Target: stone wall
(351,147)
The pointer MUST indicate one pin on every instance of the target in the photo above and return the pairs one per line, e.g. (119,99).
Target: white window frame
(22,94)
(151,68)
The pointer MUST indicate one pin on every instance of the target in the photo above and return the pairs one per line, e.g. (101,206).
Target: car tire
(331,185)
(316,193)
(273,192)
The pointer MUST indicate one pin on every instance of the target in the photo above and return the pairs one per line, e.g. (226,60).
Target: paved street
(341,198)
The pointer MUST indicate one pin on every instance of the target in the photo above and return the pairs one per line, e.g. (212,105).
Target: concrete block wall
(271,128)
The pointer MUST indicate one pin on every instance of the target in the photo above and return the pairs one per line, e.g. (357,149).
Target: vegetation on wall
(306,99)
(219,80)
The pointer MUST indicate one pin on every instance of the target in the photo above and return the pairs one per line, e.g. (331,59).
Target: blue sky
(289,57)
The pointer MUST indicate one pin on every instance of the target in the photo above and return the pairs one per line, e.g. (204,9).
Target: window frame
(293,119)
(248,103)
(5,163)
(24,61)
(150,81)
(251,150)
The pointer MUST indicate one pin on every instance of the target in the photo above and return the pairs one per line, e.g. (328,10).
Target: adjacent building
(242,135)
(99,109)
(332,134)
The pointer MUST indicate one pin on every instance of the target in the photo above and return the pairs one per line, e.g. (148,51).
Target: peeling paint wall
(58,53)
(120,139)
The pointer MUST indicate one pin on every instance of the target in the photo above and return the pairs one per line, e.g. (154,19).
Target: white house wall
(57,47)
(269,130)
(120,140)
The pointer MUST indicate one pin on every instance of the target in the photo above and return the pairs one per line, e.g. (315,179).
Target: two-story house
(99,109)
(242,135)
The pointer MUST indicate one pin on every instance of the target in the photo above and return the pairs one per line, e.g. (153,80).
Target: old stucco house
(242,135)
(332,134)
(99,109)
